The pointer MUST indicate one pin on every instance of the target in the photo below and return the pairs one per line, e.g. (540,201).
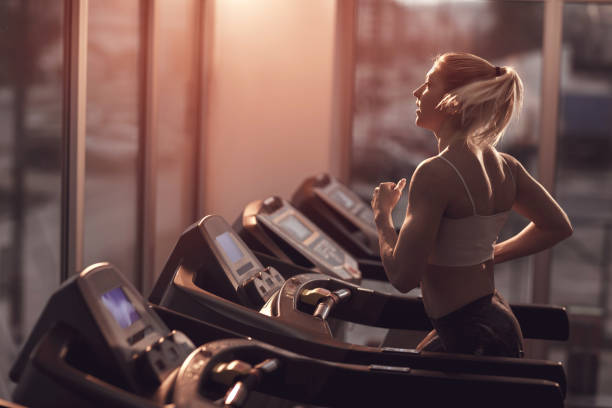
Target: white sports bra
(468,240)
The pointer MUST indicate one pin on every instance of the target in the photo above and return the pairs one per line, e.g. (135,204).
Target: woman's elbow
(406,284)
(402,287)
(568,230)
(565,229)
(559,231)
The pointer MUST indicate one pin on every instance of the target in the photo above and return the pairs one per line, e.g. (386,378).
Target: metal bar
(207,36)
(18,202)
(198,109)
(588,1)
(343,89)
(605,269)
(553,29)
(73,133)
(565,1)
(147,188)
(551,58)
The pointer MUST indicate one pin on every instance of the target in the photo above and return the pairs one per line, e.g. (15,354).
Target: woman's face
(428,96)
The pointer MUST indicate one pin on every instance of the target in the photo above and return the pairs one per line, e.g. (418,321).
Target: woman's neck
(449,136)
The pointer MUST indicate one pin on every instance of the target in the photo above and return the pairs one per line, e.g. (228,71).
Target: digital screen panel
(341,198)
(120,307)
(328,251)
(228,246)
(295,227)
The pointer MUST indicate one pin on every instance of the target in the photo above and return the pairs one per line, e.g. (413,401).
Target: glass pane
(396,44)
(581,265)
(31,70)
(111,182)
(176,120)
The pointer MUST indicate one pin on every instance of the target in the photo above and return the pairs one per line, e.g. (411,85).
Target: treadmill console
(339,212)
(119,311)
(111,331)
(289,225)
(253,283)
(220,263)
(344,199)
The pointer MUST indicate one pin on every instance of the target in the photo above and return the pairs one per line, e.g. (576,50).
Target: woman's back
(488,177)
(481,188)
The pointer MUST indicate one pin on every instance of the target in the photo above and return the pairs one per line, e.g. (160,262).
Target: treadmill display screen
(328,251)
(341,198)
(295,227)
(120,307)
(228,246)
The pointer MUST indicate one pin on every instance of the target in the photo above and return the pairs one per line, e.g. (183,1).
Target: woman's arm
(405,255)
(549,223)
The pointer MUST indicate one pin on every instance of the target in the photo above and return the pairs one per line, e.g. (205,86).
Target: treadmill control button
(277,276)
(244,268)
(139,335)
(328,251)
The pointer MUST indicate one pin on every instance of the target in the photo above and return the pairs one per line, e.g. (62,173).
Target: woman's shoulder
(507,158)
(515,166)
(431,165)
(433,168)
(431,178)
(490,153)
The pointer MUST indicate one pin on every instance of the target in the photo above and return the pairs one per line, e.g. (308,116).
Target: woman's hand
(386,196)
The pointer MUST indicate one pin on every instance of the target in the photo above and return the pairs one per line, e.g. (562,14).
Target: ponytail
(483,95)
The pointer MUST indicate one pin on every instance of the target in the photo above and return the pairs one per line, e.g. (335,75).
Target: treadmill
(341,213)
(273,228)
(262,229)
(98,344)
(213,276)
(346,218)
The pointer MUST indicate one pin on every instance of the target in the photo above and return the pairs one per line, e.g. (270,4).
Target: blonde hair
(484,95)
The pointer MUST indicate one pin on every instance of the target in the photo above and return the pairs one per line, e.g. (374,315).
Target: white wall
(268,122)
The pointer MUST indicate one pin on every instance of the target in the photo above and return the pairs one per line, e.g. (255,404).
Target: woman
(458,201)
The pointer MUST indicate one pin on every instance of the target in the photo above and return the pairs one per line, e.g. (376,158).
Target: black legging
(485,326)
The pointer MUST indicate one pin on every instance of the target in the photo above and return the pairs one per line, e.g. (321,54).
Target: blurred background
(124,121)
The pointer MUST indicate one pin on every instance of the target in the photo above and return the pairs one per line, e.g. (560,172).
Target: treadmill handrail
(389,383)
(537,321)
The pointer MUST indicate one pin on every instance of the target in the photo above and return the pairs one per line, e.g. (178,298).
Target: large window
(31,69)
(177,121)
(39,79)
(112,134)
(580,273)
(397,42)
